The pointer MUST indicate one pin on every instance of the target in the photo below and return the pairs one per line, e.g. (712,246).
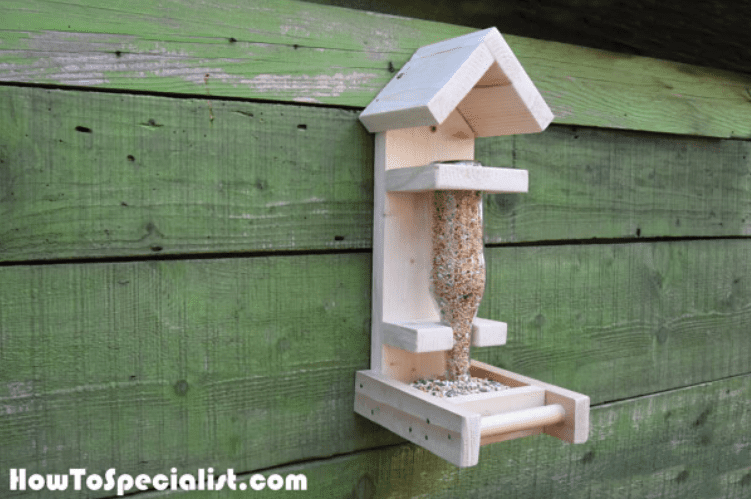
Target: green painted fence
(293,51)
(153,175)
(185,260)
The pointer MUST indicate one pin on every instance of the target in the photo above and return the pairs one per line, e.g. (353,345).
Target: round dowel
(524,419)
(458,273)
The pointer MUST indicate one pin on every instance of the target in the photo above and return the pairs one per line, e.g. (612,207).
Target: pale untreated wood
(418,337)
(476,74)
(488,333)
(454,428)
(522,419)
(428,88)
(403,255)
(514,115)
(443,176)
(511,399)
(448,430)
(402,114)
(426,336)
(574,427)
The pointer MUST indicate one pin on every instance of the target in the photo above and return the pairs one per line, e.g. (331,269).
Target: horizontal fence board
(249,363)
(589,183)
(148,365)
(691,442)
(90,174)
(620,320)
(710,34)
(296,51)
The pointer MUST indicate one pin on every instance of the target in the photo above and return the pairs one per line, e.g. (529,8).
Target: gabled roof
(475,74)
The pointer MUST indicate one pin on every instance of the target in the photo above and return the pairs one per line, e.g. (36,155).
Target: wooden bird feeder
(425,120)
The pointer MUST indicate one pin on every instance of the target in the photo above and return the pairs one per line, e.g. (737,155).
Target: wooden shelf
(432,336)
(418,336)
(443,176)
(488,333)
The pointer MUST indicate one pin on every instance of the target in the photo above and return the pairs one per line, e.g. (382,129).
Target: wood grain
(686,442)
(294,51)
(712,33)
(248,363)
(149,365)
(190,363)
(608,320)
(444,176)
(476,74)
(154,175)
(588,183)
(91,174)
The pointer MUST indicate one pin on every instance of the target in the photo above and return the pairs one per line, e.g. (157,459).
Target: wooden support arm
(432,336)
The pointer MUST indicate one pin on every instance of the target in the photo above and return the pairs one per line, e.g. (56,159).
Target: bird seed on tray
(463,385)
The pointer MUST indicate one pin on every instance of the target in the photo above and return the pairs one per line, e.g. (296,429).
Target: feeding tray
(425,119)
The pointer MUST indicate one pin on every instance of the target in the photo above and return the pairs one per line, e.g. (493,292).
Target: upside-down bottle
(457,277)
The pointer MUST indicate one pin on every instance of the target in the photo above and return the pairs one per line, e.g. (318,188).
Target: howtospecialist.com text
(204,479)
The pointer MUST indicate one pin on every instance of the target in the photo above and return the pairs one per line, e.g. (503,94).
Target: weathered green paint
(691,442)
(242,363)
(156,175)
(589,183)
(294,51)
(249,363)
(92,174)
(620,320)
(711,33)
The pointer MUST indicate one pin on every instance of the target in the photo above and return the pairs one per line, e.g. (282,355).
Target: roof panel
(451,74)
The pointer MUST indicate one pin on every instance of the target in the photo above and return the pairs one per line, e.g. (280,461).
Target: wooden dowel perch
(524,419)
(458,273)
